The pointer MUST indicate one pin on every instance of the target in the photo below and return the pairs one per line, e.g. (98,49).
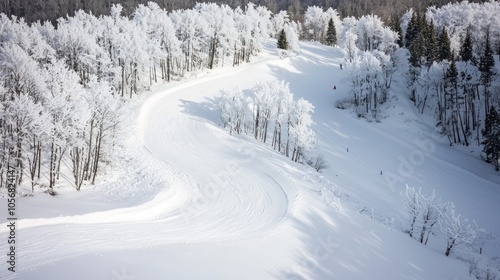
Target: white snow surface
(194,202)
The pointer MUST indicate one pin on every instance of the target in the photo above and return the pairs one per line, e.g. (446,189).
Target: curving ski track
(218,189)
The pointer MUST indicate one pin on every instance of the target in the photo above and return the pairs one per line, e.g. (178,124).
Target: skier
(334,87)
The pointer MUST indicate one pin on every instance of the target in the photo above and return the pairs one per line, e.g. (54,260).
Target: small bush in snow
(318,162)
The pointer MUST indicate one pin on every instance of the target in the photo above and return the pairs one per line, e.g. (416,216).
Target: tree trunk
(449,247)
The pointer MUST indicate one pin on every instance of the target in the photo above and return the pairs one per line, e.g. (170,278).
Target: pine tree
(423,35)
(331,34)
(491,135)
(416,50)
(487,62)
(423,26)
(466,52)
(395,25)
(486,65)
(498,50)
(452,74)
(282,43)
(412,30)
(432,45)
(444,46)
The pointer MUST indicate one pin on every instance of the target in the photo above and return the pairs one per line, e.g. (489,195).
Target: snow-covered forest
(53,9)
(452,73)
(447,57)
(63,88)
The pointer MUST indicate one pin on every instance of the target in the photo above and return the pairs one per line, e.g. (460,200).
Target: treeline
(62,87)
(51,10)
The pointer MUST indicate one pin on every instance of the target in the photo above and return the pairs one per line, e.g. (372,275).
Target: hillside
(194,202)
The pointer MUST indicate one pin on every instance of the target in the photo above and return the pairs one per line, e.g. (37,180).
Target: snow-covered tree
(264,103)
(368,84)
(466,51)
(67,113)
(282,124)
(431,208)
(458,17)
(106,113)
(491,136)
(292,31)
(234,110)
(304,138)
(348,39)
(220,30)
(486,66)
(163,46)
(412,204)
(457,230)
(272,109)
(278,22)
(314,23)
(332,14)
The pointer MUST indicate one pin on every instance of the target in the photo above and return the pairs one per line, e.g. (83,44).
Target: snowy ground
(194,202)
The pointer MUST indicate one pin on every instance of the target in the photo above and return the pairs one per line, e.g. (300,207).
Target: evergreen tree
(412,30)
(432,47)
(423,35)
(423,26)
(444,46)
(491,135)
(331,34)
(452,74)
(466,53)
(395,25)
(498,49)
(416,51)
(282,43)
(486,64)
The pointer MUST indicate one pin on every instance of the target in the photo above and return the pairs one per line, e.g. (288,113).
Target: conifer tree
(491,135)
(444,46)
(451,126)
(432,45)
(412,30)
(282,42)
(466,52)
(395,25)
(452,73)
(423,26)
(416,49)
(486,65)
(331,34)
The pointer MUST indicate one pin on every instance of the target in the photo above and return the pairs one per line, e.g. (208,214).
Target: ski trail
(211,193)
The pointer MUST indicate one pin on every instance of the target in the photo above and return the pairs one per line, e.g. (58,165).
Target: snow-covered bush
(457,230)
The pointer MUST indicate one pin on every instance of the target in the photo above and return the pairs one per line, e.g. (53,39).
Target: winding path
(218,188)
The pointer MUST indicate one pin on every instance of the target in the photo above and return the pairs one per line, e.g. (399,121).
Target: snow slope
(197,203)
